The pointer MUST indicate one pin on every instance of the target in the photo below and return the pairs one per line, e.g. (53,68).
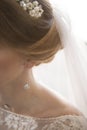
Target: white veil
(75,52)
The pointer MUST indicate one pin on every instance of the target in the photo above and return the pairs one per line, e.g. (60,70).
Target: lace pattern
(13,121)
(67,123)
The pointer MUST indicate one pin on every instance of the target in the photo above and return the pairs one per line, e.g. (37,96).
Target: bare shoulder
(56,106)
(72,110)
(62,107)
(68,109)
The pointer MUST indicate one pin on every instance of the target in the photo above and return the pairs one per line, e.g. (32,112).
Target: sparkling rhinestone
(26,86)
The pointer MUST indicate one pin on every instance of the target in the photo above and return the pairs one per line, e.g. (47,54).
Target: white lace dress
(13,121)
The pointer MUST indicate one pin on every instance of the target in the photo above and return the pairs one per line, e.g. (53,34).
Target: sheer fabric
(75,52)
(14,121)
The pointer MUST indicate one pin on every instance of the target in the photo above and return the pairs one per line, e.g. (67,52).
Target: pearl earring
(26,86)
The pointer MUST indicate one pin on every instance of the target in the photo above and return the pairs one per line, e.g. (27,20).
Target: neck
(14,93)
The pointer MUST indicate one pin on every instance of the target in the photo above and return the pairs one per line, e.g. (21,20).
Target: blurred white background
(77,10)
(54,75)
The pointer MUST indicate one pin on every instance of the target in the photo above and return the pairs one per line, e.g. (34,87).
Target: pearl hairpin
(33,8)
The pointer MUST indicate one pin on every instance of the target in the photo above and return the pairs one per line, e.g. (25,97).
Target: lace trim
(37,118)
(20,122)
(14,122)
(67,124)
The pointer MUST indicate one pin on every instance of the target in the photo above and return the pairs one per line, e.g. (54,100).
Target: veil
(75,52)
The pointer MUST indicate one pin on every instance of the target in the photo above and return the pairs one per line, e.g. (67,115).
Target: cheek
(7,63)
(5,66)
(10,68)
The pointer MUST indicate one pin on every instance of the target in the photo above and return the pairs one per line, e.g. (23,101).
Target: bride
(31,33)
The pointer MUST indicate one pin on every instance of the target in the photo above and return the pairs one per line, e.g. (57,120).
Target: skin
(15,72)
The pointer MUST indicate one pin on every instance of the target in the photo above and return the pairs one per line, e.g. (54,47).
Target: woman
(29,37)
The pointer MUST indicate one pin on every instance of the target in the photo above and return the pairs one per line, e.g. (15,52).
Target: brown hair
(37,39)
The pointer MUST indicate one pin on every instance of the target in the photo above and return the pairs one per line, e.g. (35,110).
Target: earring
(26,86)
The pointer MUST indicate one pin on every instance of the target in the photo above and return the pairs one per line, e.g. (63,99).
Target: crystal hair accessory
(33,8)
